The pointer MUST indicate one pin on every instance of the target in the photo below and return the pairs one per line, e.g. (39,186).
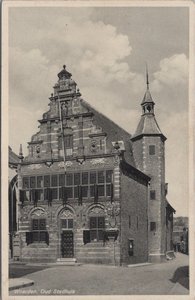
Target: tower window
(129,221)
(153,195)
(152,149)
(152,226)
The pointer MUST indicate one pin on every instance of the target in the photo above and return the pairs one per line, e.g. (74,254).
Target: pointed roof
(147,97)
(147,124)
(114,131)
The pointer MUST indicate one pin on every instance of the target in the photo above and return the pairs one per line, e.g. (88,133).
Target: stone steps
(95,260)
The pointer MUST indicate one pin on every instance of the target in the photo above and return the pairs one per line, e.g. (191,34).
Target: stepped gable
(114,131)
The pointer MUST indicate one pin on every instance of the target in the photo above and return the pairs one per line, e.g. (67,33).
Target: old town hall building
(88,190)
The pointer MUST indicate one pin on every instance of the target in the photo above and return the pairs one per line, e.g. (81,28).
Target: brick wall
(133,220)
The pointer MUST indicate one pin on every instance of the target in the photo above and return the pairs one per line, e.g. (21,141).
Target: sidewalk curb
(139,265)
(19,283)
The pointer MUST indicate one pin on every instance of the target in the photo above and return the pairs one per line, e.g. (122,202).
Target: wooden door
(67,244)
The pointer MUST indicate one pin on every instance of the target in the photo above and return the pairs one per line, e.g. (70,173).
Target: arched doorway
(66,233)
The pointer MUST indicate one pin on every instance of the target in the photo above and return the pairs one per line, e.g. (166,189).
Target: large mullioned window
(95,183)
(38,233)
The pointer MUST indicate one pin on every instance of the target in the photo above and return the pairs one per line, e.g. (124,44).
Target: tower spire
(147,77)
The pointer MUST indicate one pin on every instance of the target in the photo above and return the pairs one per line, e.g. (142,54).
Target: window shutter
(86,236)
(95,193)
(64,195)
(22,196)
(80,196)
(112,192)
(34,197)
(49,196)
(28,238)
(47,237)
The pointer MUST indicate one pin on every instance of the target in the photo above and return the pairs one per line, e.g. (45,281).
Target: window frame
(57,180)
(39,231)
(153,226)
(152,194)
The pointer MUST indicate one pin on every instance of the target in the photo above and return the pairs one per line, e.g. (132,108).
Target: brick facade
(84,190)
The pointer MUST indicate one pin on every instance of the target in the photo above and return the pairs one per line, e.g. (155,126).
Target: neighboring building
(13,190)
(89,190)
(180,234)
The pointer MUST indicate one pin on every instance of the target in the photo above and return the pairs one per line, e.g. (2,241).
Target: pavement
(17,283)
(168,278)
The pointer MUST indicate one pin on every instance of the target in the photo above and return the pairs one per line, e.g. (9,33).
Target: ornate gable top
(64,74)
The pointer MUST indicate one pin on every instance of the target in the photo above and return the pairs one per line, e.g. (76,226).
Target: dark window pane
(92,191)
(61,179)
(76,192)
(100,235)
(108,176)
(85,178)
(85,191)
(93,222)
(101,177)
(100,190)
(76,178)
(54,180)
(54,193)
(42,224)
(42,236)
(39,194)
(32,182)
(92,177)
(69,191)
(25,182)
(108,190)
(35,236)
(64,223)
(47,181)
(93,235)
(69,179)
(100,222)
(35,224)
(70,223)
(152,149)
(39,181)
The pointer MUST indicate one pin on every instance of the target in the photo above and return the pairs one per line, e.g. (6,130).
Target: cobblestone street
(170,277)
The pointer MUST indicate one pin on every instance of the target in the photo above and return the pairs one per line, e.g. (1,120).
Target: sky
(106,50)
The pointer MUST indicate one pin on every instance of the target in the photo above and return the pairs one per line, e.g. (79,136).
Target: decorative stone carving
(61,164)
(96,211)
(116,160)
(93,146)
(34,166)
(68,163)
(38,212)
(113,210)
(66,214)
(98,161)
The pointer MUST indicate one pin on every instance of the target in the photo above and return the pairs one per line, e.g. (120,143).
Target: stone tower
(148,150)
